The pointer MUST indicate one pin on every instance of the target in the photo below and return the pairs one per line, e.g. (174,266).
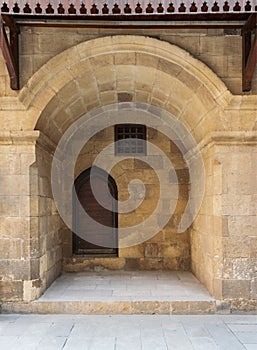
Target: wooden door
(97,239)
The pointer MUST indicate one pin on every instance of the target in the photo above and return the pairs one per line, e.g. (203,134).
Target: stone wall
(219,49)
(168,249)
(93,75)
(47,220)
(223,237)
(17,159)
(206,233)
(30,225)
(238,203)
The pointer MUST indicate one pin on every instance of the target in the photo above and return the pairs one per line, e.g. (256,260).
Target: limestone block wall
(168,249)
(18,272)
(47,220)
(238,203)
(223,237)
(219,49)
(206,233)
(31,253)
(95,74)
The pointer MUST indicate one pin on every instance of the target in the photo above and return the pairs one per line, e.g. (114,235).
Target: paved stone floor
(131,332)
(126,285)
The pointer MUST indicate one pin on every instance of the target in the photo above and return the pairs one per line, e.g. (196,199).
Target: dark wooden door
(97,232)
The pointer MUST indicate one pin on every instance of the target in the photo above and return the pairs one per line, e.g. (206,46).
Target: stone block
(146,308)
(234,66)
(236,289)
(10,249)
(187,42)
(217,292)
(102,61)
(132,264)
(136,251)
(13,269)
(126,85)
(253,247)
(31,290)
(21,185)
(236,247)
(172,250)
(233,44)
(10,163)
(239,184)
(192,307)
(14,227)
(242,225)
(11,290)
(128,58)
(9,206)
(35,268)
(151,250)
(254,289)
(108,97)
(151,264)
(76,264)
(182,263)
(244,268)
(212,45)
(122,73)
(171,264)
(144,80)
(146,60)
(53,273)
(234,205)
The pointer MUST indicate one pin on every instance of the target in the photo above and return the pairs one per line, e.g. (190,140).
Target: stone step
(112,307)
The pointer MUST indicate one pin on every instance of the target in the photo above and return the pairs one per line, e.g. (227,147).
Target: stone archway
(119,69)
(113,70)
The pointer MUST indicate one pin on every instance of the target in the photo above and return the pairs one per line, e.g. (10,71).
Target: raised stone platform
(121,292)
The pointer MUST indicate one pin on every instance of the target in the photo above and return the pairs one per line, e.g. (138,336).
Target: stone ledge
(229,137)
(116,307)
(19,137)
(231,306)
(241,102)
(224,138)
(11,104)
(27,137)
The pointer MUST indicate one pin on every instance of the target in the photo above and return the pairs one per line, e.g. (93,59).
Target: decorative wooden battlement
(124,7)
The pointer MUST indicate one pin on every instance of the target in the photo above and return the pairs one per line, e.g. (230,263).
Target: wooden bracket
(10,49)
(249,51)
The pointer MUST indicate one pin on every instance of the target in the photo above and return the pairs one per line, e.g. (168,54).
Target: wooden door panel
(97,239)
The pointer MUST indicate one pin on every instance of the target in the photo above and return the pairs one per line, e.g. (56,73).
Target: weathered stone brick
(11,290)
(236,289)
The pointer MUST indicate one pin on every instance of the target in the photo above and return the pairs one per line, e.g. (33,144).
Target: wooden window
(134,136)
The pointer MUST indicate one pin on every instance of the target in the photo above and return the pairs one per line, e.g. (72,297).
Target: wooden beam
(10,52)
(250,66)
(249,52)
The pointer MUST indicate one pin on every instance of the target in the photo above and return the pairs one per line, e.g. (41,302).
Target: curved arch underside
(116,69)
